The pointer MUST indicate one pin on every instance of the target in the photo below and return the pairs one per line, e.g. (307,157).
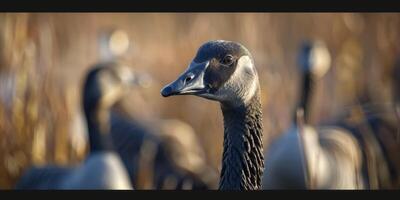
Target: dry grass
(43,58)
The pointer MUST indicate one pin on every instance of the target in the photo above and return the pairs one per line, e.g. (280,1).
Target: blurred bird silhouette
(308,157)
(149,148)
(347,152)
(105,84)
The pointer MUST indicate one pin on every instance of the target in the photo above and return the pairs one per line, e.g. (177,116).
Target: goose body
(85,176)
(141,149)
(307,157)
(136,143)
(224,71)
(323,158)
(292,154)
(102,169)
(347,153)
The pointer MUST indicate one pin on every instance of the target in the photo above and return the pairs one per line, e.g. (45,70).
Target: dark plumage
(224,71)
(130,136)
(353,151)
(102,169)
(134,140)
(286,157)
(307,157)
(242,147)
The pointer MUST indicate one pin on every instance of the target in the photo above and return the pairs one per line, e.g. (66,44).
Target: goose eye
(228,60)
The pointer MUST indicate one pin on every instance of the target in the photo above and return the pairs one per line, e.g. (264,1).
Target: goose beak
(191,82)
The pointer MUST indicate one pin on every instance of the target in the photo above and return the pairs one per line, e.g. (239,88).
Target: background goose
(307,157)
(183,147)
(148,156)
(374,128)
(347,153)
(105,84)
(287,156)
(141,141)
(224,71)
(41,72)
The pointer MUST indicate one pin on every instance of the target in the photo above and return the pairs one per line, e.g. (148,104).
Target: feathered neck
(98,123)
(243,159)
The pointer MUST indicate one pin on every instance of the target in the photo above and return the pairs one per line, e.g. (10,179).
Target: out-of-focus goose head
(314,58)
(106,84)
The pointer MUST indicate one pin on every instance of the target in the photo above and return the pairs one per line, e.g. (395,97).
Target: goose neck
(243,159)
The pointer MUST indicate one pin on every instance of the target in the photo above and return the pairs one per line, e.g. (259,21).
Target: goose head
(314,58)
(105,85)
(222,71)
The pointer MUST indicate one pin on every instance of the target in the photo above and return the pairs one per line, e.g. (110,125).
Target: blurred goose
(102,169)
(347,153)
(307,157)
(287,156)
(147,154)
(140,143)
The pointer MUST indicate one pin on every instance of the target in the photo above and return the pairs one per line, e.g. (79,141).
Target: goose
(138,142)
(144,146)
(105,84)
(144,150)
(375,125)
(297,155)
(141,147)
(187,152)
(224,71)
(309,157)
(346,153)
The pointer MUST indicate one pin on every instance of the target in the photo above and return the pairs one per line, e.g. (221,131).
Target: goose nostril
(189,78)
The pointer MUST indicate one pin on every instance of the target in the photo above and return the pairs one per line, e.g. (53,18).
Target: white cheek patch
(243,82)
(252,88)
(320,60)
